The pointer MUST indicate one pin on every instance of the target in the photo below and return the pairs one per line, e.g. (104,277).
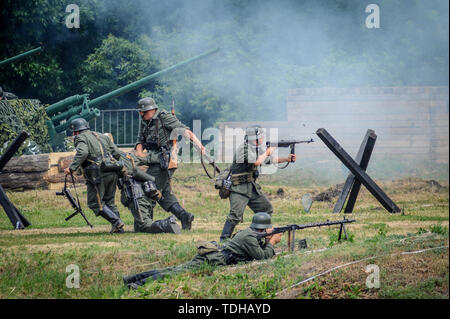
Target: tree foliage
(266,48)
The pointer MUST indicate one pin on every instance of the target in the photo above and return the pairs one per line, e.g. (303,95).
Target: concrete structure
(410,122)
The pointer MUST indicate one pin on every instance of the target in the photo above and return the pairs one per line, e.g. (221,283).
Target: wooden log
(28,163)
(37,171)
(23,180)
(59,178)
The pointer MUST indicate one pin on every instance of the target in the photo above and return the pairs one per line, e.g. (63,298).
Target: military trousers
(257,202)
(162,181)
(143,220)
(215,258)
(106,193)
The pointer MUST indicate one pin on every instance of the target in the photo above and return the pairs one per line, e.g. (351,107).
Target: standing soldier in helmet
(245,246)
(244,191)
(155,137)
(97,156)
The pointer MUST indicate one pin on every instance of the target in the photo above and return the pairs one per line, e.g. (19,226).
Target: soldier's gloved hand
(155,195)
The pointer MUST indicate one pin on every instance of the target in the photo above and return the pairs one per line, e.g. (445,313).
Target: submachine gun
(75,204)
(293,227)
(288,143)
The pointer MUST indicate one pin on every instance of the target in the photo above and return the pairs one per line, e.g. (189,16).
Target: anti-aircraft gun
(63,112)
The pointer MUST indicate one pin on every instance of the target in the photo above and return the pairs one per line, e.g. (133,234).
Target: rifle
(293,227)
(75,204)
(132,191)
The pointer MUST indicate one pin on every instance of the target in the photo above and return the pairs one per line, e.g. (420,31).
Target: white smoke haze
(268,47)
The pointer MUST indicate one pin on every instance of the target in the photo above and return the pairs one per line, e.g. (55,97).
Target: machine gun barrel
(20,56)
(283,229)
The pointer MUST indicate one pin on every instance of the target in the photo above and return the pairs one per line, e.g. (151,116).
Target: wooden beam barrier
(356,170)
(352,186)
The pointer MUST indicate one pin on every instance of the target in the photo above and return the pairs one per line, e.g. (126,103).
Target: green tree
(116,63)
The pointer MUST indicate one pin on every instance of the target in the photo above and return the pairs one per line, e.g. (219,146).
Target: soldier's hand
(275,239)
(292,157)
(139,154)
(67,171)
(270,150)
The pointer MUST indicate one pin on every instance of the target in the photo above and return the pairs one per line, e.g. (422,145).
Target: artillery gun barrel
(144,81)
(63,104)
(68,114)
(87,115)
(20,56)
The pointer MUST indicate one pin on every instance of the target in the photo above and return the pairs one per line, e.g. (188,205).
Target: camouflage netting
(24,115)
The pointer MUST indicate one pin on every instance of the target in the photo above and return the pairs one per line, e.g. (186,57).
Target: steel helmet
(261,221)
(254,132)
(79,124)
(146,104)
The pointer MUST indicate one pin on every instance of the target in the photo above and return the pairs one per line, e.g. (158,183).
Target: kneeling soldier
(93,152)
(245,246)
(139,194)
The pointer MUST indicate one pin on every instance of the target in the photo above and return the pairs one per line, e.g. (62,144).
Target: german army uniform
(139,195)
(154,135)
(243,247)
(91,150)
(244,191)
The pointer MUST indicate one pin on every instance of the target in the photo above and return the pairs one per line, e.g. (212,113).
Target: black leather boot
(110,216)
(185,217)
(137,277)
(168,225)
(227,230)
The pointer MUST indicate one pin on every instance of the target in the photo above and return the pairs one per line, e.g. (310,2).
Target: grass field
(33,261)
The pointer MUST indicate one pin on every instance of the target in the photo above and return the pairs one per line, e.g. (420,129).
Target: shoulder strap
(158,118)
(102,147)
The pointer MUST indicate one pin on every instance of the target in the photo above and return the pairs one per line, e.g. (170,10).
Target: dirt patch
(329,194)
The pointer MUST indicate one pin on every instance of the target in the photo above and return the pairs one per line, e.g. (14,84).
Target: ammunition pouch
(109,165)
(92,174)
(205,247)
(224,193)
(242,178)
(223,184)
